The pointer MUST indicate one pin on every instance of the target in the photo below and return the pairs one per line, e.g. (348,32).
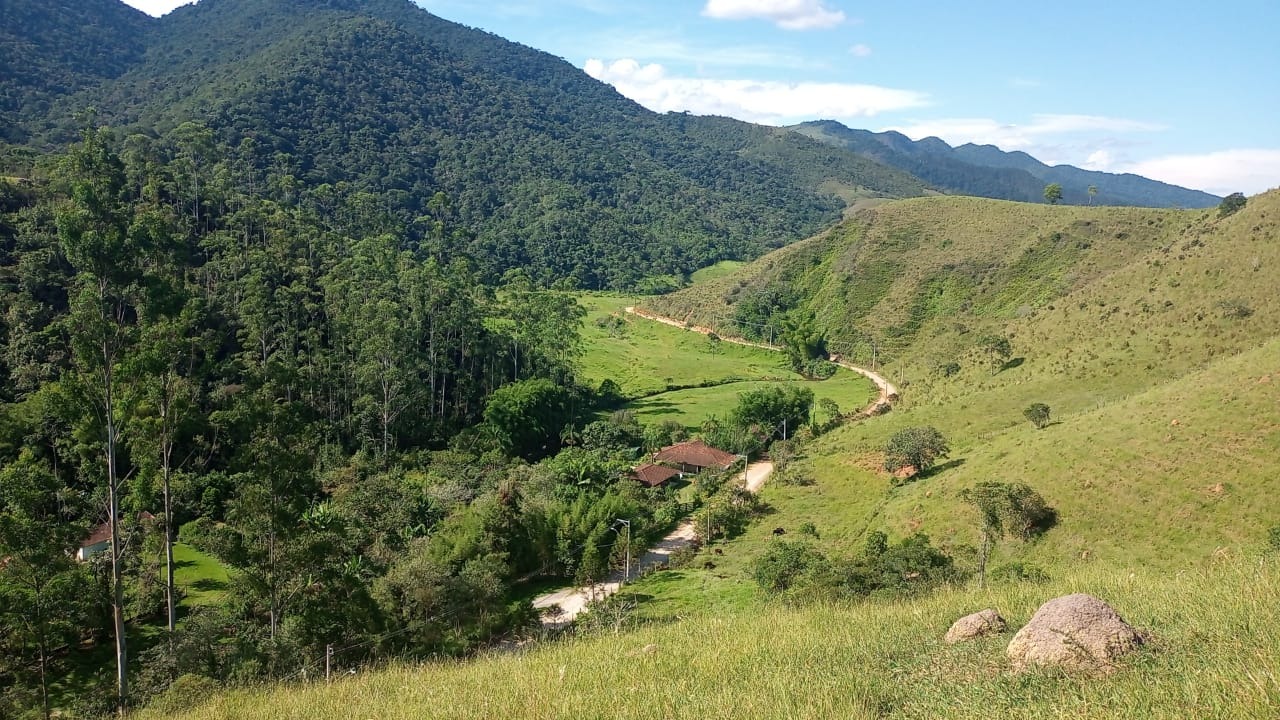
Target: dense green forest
(381,450)
(549,170)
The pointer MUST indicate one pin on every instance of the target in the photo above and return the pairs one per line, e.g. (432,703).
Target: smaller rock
(983,622)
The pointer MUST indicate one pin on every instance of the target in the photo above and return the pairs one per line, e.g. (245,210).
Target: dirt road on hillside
(563,605)
(888,391)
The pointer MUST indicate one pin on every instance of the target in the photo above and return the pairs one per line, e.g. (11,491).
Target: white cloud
(1014,136)
(774,103)
(657,46)
(1098,160)
(156,8)
(787,14)
(860,50)
(1221,173)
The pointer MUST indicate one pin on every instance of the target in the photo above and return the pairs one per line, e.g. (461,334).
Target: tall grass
(1214,653)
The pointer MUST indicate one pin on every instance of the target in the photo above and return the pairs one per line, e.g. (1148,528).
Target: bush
(198,534)
(1231,204)
(1273,538)
(1020,571)
(794,477)
(184,694)
(1235,309)
(802,573)
(1038,414)
(918,447)
(784,564)
(949,369)
(682,557)
(818,369)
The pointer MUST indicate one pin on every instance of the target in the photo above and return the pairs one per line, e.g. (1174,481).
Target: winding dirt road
(888,391)
(562,606)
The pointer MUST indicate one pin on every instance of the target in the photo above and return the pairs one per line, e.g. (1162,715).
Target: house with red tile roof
(694,456)
(651,475)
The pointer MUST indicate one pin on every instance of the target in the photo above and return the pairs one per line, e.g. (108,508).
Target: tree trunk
(117,570)
(43,643)
(170,597)
(113,502)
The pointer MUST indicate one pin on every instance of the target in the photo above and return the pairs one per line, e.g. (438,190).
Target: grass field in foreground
(1214,653)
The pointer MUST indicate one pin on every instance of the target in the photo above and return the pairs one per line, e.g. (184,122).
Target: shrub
(1231,204)
(1273,538)
(184,694)
(198,534)
(818,369)
(918,447)
(682,557)
(785,563)
(1019,571)
(794,477)
(1038,414)
(1235,309)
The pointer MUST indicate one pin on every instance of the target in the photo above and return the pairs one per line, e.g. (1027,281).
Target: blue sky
(1187,92)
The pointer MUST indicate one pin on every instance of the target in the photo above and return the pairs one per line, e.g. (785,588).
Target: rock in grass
(983,622)
(1074,632)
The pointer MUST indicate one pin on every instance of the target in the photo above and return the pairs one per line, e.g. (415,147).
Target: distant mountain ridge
(988,171)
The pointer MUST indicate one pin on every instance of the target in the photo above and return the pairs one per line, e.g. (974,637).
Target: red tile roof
(695,453)
(653,475)
(100,534)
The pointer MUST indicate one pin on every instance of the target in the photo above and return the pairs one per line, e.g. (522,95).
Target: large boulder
(983,622)
(1074,632)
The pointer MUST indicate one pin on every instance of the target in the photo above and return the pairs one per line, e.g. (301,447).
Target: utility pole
(328,662)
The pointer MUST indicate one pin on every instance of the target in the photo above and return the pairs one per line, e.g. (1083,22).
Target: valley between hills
(362,364)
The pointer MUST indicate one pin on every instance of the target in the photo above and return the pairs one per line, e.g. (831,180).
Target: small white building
(97,542)
(100,539)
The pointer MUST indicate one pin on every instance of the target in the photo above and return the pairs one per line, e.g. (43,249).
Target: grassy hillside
(1215,646)
(1155,338)
(1153,335)
(674,374)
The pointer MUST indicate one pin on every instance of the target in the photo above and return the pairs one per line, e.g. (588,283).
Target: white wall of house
(88,551)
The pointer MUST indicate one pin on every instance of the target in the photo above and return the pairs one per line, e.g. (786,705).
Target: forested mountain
(988,171)
(554,172)
(50,50)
